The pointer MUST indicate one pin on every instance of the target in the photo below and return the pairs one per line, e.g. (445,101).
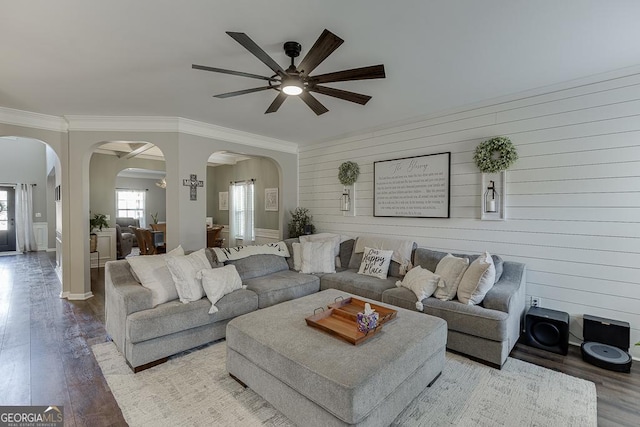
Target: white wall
(573,196)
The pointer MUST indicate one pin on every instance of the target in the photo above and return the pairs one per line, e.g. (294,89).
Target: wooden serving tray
(340,320)
(353,306)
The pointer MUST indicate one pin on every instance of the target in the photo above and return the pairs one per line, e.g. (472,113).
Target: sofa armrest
(123,296)
(508,294)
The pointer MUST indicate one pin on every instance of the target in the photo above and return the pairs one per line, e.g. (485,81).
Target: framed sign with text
(413,187)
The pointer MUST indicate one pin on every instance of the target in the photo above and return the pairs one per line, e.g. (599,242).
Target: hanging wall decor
(413,187)
(493,157)
(193,185)
(494,189)
(271,199)
(348,173)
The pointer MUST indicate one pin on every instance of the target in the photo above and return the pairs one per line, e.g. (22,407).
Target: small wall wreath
(484,155)
(348,173)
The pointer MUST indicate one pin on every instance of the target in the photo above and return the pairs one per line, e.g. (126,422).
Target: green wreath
(348,173)
(484,156)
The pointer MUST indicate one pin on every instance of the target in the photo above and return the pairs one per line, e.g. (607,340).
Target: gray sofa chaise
(146,334)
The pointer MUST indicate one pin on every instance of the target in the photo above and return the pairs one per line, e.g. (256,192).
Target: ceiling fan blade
(252,47)
(321,49)
(371,72)
(242,92)
(276,103)
(233,73)
(358,98)
(313,103)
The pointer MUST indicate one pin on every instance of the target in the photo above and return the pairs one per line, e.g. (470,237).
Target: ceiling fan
(297,81)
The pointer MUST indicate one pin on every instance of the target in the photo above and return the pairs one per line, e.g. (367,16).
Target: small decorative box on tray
(341,319)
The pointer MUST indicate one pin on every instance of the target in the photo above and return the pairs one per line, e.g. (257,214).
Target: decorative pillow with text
(375,262)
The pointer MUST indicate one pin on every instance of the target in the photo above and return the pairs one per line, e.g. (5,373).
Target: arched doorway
(127,186)
(226,173)
(30,198)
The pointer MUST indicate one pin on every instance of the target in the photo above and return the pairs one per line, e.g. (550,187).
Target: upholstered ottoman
(317,379)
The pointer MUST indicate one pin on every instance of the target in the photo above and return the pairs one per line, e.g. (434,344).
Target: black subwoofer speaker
(547,329)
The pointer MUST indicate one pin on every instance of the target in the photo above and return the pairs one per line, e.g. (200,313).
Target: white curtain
(26,238)
(242,212)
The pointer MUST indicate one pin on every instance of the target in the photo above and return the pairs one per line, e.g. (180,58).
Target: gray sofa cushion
(174,316)
(282,286)
(346,248)
(259,265)
(468,319)
(426,258)
(359,284)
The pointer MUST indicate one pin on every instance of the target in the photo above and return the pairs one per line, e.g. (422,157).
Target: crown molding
(179,125)
(208,130)
(11,116)
(123,123)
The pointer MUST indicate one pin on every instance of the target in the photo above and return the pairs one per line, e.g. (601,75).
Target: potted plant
(300,223)
(98,221)
(154,218)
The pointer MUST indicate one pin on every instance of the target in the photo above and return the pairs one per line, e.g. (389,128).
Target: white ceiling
(122,57)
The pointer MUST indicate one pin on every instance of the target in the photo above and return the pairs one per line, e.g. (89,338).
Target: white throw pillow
(477,280)
(152,273)
(317,257)
(336,239)
(421,282)
(450,269)
(218,282)
(183,269)
(297,256)
(375,262)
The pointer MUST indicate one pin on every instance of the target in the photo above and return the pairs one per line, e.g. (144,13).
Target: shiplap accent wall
(573,199)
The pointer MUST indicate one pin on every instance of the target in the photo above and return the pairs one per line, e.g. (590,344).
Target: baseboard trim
(79,297)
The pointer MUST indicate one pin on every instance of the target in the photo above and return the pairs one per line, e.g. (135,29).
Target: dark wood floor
(45,352)
(46,358)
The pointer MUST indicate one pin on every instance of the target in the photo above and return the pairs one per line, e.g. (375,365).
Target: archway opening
(127,186)
(30,198)
(228,172)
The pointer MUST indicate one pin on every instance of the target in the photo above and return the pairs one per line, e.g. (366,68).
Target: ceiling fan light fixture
(292,86)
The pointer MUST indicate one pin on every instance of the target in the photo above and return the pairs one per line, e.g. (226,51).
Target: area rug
(195,389)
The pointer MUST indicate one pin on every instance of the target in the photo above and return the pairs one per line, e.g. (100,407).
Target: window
(131,204)
(242,211)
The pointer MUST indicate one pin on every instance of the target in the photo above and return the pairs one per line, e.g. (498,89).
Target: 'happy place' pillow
(375,262)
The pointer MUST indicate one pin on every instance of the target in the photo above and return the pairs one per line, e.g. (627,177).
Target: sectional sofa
(147,335)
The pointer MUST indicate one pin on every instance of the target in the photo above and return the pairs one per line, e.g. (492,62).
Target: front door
(7,221)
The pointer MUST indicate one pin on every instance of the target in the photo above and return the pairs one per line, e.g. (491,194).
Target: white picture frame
(271,199)
(223,200)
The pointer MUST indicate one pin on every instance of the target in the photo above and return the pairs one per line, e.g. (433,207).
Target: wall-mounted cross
(194,184)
